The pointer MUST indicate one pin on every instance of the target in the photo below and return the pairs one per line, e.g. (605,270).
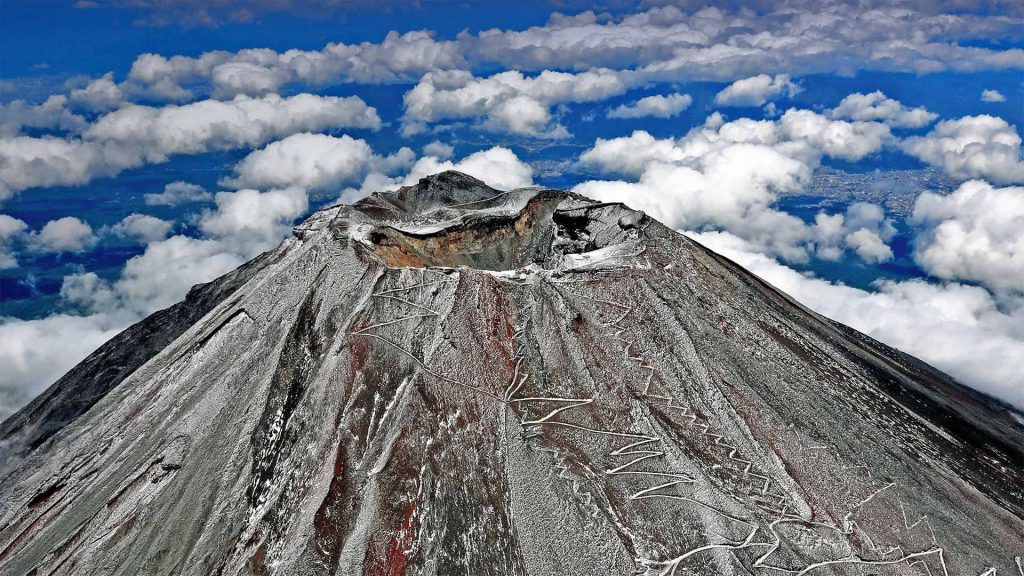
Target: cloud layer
(663,43)
(508,101)
(757,90)
(959,329)
(728,175)
(656,106)
(974,234)
(136,135)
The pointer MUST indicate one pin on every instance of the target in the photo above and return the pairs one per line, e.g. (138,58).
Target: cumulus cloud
(959,329)
(508,101)
(99,95)
(728,175)
(37,352)
(757,90)
(159,132)
(980,146)
(878,107)
(664,43)
(836,138)
(992,96)
(314,162)
(29,162)
(251,220)
(68,234)
(657,106)
(53,114)
(178,193)
(869,246)
(10,228)
(714,43)
(142,228)
(630,155)
(243,224)
(974,234)
(398,58)
(731,188)
(439,149)
(863,228)
(135,135)
(163,274)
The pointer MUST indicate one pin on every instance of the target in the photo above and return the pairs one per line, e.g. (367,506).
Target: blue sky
(866,158)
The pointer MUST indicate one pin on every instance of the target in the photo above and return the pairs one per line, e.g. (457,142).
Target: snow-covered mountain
(449,379)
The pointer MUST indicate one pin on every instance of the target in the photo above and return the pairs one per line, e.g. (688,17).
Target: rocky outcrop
(449,379)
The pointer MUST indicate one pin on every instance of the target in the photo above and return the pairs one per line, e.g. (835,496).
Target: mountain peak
(448,188)
(452,179)
(452,379)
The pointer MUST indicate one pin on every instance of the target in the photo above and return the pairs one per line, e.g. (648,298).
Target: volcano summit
(449,379)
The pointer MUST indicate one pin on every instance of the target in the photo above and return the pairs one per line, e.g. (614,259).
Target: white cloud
(507,101)
(37,352)
(313,161)
(981,146)
(29,162)
(731,188)
(10,228)
(878,107)
(714,43)
(657,106)
(757,90)
(630,155)
(233,78)
(87,291)
(99,95)
(216,125)
(869,246)
(243,224)
(836,138)
(135,135)
(142,228)
(53,114)
(959,329)
(178,193)
(663,43)
(68,234)
(439,149)
(164,273)
(728,175)
(862,228)
(992,96)
(306,160)
(399,58)
(974,234)
(252,221)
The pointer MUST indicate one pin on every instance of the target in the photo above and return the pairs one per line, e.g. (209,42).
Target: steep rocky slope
(453,380)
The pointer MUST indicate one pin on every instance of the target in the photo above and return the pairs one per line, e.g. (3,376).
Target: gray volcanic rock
(449,379)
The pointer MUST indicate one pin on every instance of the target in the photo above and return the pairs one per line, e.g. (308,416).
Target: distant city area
(896,190)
